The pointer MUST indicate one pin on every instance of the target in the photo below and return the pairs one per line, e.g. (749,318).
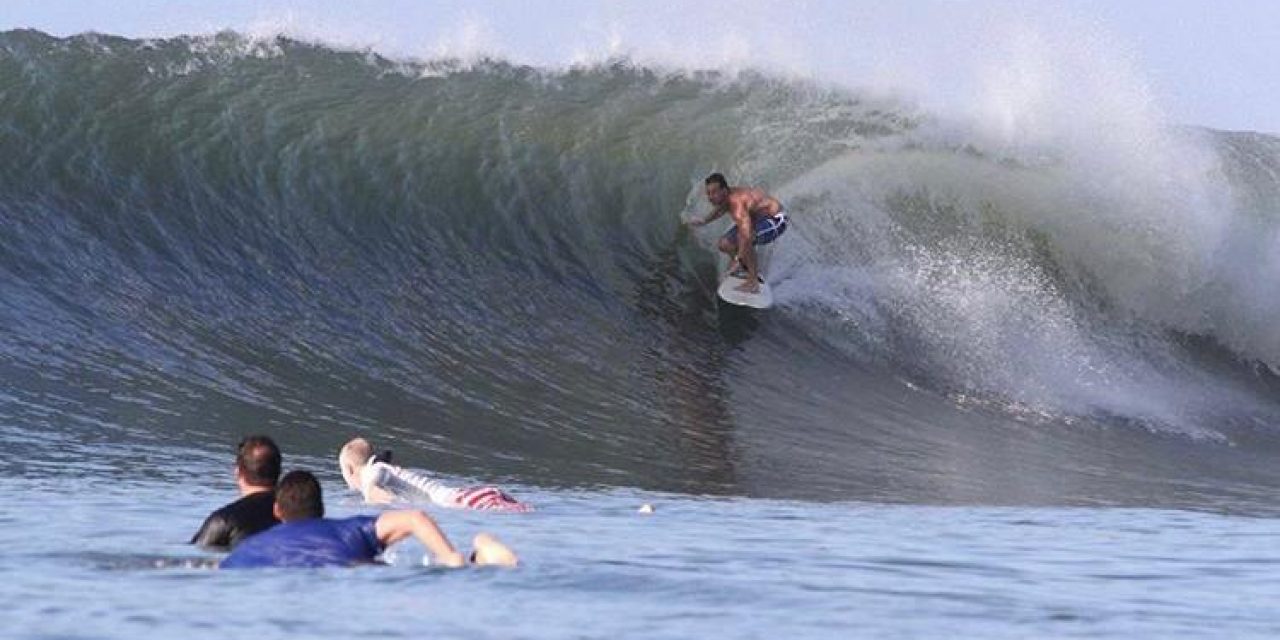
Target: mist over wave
(482,261)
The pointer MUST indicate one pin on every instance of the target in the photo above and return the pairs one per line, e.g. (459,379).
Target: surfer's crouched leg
(763,231)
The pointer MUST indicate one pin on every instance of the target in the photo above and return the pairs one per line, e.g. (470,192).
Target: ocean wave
(279,225)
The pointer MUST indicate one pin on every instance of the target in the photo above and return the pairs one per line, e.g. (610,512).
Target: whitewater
(1021,377)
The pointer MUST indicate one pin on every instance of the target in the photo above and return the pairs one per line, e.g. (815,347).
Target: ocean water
(114,564)
(1008,390)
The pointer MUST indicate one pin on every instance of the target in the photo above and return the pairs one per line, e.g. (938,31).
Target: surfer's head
(353,456)
(258,462)
(717,188)
(298,497)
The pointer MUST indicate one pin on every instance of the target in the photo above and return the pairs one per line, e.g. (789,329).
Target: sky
(1196,62)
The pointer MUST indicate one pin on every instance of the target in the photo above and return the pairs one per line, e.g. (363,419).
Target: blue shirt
(314,542)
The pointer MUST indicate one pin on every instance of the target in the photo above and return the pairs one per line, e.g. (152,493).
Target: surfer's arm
(394,526)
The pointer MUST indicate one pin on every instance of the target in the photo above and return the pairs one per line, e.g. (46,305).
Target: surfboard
(728,291)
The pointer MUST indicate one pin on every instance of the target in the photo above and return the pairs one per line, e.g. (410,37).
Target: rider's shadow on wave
(677,293)
(736,324)
(679,289)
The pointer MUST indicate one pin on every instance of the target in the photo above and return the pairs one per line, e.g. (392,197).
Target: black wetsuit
(227,526)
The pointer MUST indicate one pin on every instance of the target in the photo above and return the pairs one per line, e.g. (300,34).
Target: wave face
(482,265)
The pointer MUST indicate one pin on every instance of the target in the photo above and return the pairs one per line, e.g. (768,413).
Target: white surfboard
(762,299)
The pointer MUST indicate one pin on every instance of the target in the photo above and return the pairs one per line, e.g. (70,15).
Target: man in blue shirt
(307,539)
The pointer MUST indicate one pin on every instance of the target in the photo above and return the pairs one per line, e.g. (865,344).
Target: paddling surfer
(379,481)
(758,218)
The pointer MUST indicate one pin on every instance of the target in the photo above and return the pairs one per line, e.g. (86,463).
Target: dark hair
(717,178)
(258,459)
(298,496)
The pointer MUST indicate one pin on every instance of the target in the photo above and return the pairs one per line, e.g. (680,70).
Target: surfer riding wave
(758,219)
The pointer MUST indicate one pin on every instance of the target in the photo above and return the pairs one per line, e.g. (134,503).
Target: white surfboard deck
(729,292)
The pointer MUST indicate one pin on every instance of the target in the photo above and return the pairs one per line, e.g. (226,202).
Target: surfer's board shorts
(764,230)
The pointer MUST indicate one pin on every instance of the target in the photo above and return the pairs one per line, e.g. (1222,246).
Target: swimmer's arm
(394,526)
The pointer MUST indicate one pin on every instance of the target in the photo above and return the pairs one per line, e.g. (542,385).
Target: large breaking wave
(484,260)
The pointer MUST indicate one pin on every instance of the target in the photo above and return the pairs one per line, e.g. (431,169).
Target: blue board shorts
(764,230)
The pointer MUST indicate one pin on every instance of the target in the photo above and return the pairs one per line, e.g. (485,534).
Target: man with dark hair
(307,539)
(257,469)
(758,218)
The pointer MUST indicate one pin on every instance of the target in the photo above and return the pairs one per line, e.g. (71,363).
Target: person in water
(305,538)
(758,218)
(381,482)
(257,470)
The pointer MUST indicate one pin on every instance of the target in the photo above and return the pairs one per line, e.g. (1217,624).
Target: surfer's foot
(749,287)
(740,272)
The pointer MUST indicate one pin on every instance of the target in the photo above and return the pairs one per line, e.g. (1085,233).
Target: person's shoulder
(227,525)
(328,524)
(740,197)
(221,512)
(215,531)
(257,497)
(268,537)
(226,513)
(251,503)
(227,508)
(353,521)
(256,550)
(365,526)
(375,474)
